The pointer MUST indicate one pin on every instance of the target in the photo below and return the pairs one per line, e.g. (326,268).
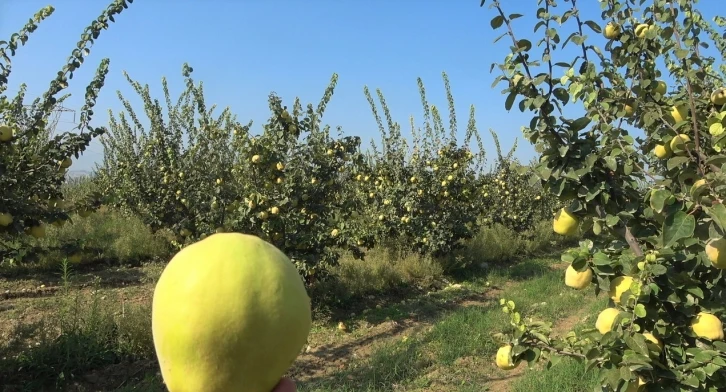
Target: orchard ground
(389,322)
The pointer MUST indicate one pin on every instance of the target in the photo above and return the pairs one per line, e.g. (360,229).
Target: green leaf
(718,214)
(639,310)
(637,344)
(676,162)
(658,198)
(677,226)
(497,22)
(657,269)
(611,163)
(601,258)
(510,100)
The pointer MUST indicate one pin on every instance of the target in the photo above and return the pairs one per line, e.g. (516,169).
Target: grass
(456,352)
(94,333)
(567,375)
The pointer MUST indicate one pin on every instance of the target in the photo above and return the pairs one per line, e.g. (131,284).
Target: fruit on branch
(707,326)
(655,341)
(5,219)
(679,113)
(716,253)
(612,30)
(662,151)
(565,223)
(718,97)
(6,133)
(618,286)
(576,279)
(504,360)
(678,144)
(642,29)
(606,320)
(661,88)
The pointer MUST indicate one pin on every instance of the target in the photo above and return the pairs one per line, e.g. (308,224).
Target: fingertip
(286,385)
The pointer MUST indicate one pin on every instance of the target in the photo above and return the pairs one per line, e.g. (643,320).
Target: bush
(108,236)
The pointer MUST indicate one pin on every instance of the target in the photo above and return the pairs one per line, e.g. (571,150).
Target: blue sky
(242,50)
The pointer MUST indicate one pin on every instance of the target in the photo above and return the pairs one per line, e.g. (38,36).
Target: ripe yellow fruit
(450,177)
(651,338)
(37,231)
(256,159)
(334,233)
(707,326)
(629,110)
(245,342)
(219,181)
(718,97)
(342,326)
(642,29)
(662,151)
(678,144)
(716,253)
(618,286)
(679,113)
(414,179)
(612,30)
(181,174)
(66,163)
(280,166)
(565,223)
(6,133)
(263,215)
(503,361)
(578,280)
(606,320)
(5,219)
(330,152)
(275,210)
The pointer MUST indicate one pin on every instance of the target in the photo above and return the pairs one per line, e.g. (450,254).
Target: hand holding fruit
(285,385)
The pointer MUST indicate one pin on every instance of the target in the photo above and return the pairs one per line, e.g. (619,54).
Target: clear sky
(244,49)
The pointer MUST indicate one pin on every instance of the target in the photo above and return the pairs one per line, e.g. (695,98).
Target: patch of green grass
(86,331)
(465,333)
(498,244)
(568,374)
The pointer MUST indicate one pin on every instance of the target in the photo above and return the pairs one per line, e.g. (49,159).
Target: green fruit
(230,313)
